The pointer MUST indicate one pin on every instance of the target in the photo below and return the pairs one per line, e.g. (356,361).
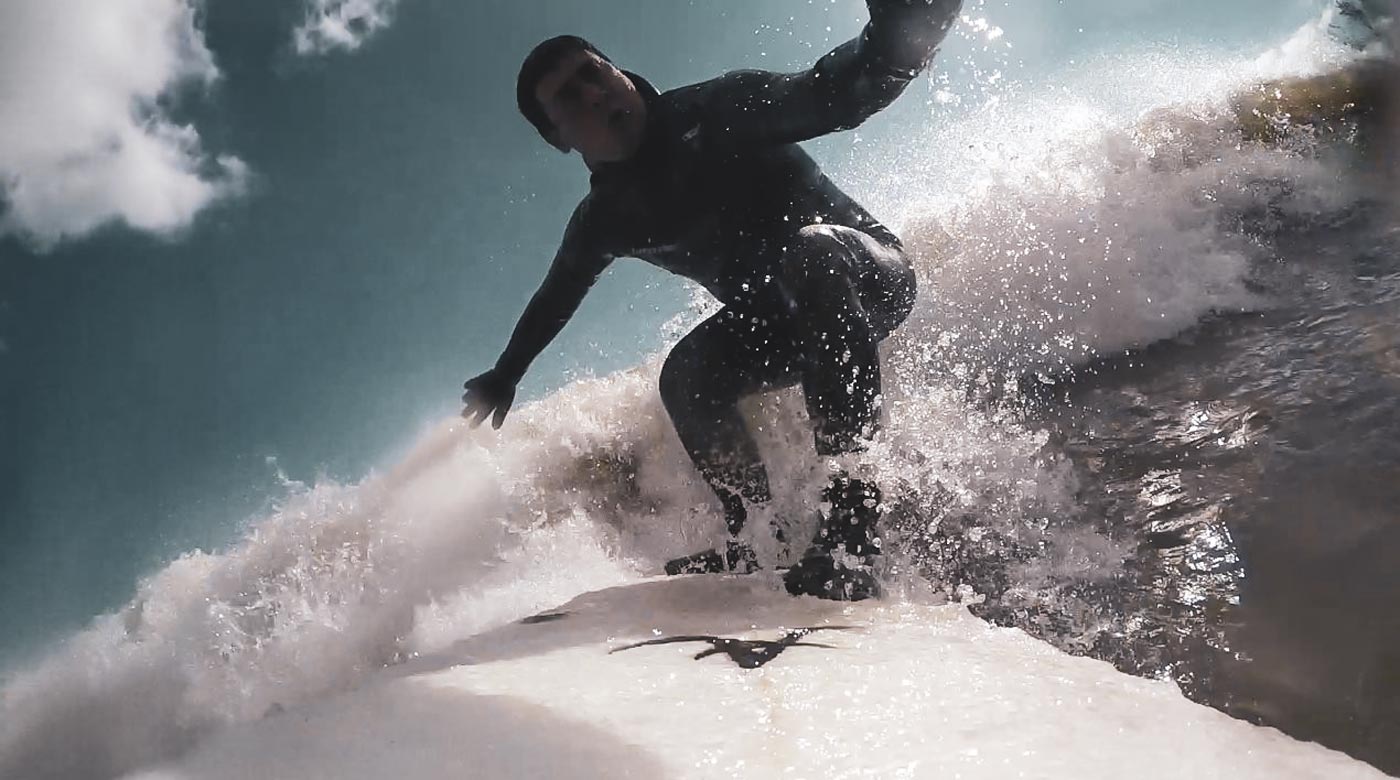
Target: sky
(248,242)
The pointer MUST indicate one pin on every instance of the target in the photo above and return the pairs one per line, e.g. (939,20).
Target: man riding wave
(708,181)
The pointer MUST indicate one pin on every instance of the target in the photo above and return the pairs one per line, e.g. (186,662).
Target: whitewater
(1060,232)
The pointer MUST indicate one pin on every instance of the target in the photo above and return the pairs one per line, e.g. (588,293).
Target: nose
(594,95)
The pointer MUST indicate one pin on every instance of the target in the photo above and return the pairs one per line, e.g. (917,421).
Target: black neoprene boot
(738,558)
(839,565)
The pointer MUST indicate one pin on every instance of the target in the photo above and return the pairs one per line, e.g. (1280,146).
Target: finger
(482,415)
(479,413)
(502,407)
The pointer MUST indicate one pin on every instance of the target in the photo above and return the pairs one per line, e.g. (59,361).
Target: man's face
(594,108)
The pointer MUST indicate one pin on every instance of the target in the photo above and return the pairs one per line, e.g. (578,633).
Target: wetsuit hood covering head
(648,92)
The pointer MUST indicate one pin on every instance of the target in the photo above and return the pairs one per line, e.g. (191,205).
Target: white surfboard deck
(907,692)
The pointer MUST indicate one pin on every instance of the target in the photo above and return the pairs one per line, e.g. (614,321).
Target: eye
(568,93)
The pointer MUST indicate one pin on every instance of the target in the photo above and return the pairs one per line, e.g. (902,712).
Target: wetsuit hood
(649,93)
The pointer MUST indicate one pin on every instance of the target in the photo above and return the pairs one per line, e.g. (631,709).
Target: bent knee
(814,255)
(821,235)
(674,382)
(820,245)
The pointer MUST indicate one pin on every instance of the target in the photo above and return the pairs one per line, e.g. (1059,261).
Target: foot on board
(819,574)
(839,564)
(738,558)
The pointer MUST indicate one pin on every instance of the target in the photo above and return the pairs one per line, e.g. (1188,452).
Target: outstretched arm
(844,88)
(575,268)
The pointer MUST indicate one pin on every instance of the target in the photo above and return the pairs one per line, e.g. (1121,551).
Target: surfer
(708,181)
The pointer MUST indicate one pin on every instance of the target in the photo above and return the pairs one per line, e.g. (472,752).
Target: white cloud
(341,24)
(85,136)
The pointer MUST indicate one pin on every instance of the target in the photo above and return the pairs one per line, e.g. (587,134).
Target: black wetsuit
(719,192)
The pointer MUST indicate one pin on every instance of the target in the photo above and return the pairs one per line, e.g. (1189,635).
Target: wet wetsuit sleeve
(844,88)
(576,266)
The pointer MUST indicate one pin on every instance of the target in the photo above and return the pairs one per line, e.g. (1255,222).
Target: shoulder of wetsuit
(689,102)
(711,105)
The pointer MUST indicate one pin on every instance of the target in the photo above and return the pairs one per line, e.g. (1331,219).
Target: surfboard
(727,676)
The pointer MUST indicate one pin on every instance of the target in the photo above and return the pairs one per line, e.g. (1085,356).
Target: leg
(727,357)
(847,292)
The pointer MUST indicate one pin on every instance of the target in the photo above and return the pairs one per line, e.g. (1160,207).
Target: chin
(632,133)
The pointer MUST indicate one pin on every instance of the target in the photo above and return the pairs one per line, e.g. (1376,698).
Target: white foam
(1110,208)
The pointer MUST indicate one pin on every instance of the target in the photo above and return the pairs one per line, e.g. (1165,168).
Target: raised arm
(845,87)
(576,266)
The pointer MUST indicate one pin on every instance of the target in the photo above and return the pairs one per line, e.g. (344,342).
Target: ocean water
(1143,411)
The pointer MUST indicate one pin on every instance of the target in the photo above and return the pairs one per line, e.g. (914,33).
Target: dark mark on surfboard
(543,617)
(746,653)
